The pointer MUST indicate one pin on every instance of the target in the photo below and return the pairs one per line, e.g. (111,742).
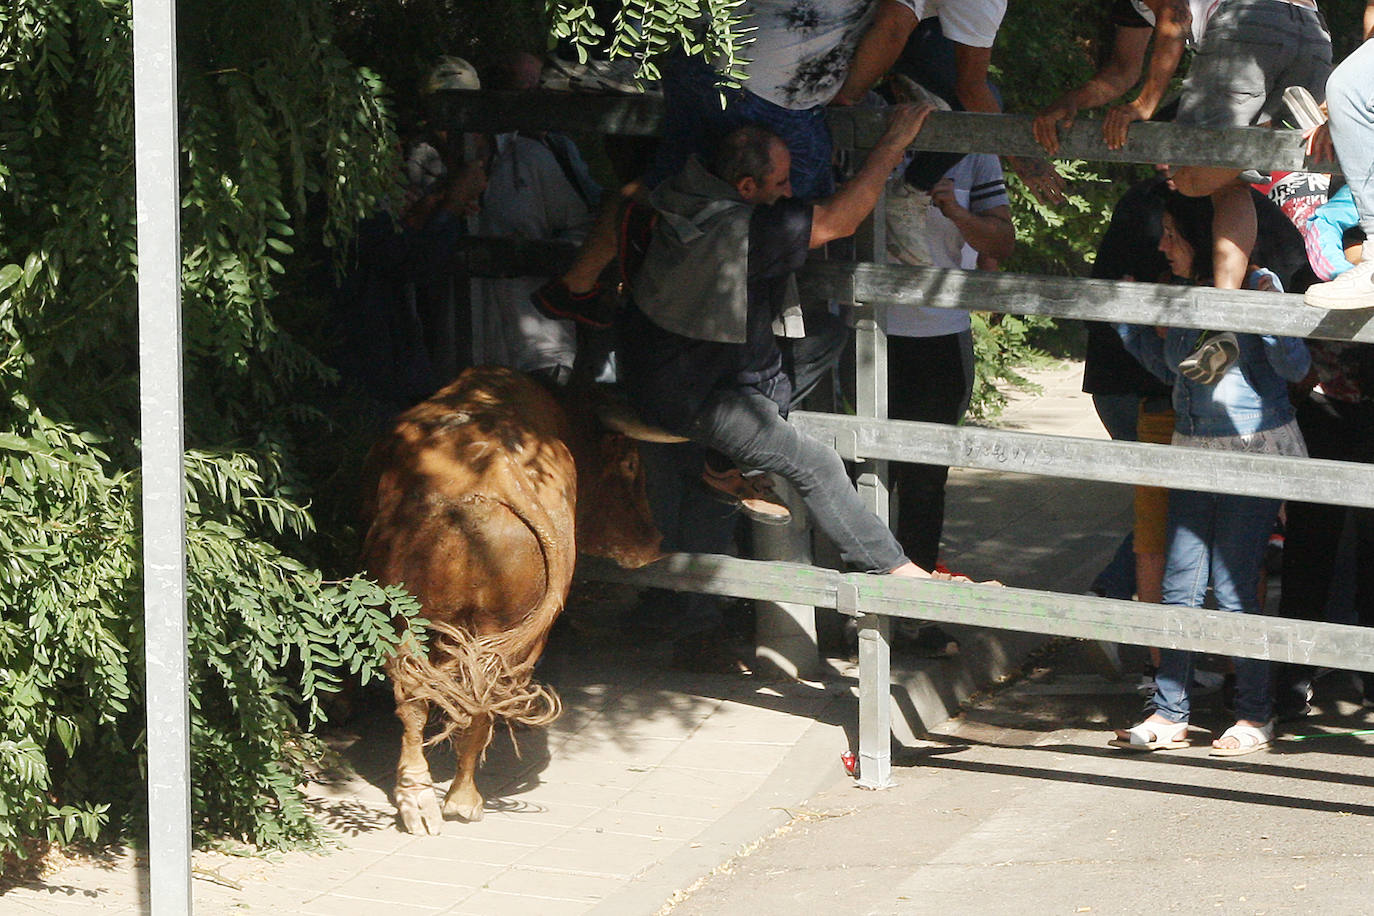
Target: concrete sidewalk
(652,778)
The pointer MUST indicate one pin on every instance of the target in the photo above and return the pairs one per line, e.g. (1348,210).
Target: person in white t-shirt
(930,350)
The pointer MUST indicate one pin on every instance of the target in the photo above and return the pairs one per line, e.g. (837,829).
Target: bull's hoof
(468,809)
(419,810)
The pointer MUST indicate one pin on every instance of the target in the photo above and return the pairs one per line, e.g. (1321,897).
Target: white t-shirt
(802,48)
(978,186)
(1202,11)
(969,22)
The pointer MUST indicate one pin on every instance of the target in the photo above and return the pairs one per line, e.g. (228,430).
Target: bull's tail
(466,675)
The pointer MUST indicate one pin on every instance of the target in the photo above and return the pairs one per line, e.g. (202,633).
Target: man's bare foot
(910,570)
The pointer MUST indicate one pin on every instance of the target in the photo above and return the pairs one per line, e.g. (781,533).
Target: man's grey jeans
(745,426)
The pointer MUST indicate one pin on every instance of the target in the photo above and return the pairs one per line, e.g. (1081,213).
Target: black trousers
(1312,534)
(929,379)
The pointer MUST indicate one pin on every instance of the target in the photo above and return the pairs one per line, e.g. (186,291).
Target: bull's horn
(619,416)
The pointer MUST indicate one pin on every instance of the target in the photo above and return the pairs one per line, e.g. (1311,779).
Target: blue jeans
(1218,539)
(1118,414)
(694,122)
(745,426)
(1350,98)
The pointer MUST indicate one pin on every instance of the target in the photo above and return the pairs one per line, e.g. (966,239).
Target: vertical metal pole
(875,674)
(164,520)
(785,633)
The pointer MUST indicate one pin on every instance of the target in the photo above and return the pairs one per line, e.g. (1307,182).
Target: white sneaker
(1353,289)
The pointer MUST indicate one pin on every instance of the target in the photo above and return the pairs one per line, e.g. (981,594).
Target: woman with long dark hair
(1213,538)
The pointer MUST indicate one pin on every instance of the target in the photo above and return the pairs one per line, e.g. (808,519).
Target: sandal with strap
(1248,739)
(1154,736)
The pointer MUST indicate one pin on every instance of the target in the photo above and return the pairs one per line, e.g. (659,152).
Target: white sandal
(1248,739)
(1154,736)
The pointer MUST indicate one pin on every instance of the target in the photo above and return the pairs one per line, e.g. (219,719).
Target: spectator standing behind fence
(538,187)
(396,307)
(1216,539)
(1248,53)
(1337,414)
(930,350)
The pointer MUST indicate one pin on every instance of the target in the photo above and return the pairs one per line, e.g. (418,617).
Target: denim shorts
(1251,52)
(695,120)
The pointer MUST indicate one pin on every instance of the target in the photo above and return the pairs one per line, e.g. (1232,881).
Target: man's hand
(1048,123)
(904,122)
(1118,120)
(1040,179)
(942,198)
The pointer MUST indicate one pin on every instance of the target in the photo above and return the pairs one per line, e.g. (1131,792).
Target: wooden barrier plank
(1117,301)
(1307,479)
(1304,642)
(859,128)
(1018,294)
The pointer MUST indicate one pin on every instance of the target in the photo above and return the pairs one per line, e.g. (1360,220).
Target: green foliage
(284,146)
(646,29)
(1002,345)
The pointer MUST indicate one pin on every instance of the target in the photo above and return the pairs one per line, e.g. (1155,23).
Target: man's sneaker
(753,494)
(593,308)
(1216,353)
(1353,289)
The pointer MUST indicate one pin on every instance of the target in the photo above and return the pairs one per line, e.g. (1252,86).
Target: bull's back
(471,503)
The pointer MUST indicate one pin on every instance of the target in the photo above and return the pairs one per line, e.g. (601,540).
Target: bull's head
(613,517)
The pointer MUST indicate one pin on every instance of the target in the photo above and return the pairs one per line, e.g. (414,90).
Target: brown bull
(472,503)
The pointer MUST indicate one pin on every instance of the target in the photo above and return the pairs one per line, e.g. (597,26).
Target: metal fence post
(875,675)
(164,520)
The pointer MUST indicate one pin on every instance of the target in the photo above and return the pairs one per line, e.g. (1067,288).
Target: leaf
(9,275)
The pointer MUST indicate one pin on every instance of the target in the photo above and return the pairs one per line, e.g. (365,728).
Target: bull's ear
(620,452)
(629,463)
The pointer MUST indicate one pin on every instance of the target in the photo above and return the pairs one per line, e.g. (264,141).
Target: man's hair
(745,152)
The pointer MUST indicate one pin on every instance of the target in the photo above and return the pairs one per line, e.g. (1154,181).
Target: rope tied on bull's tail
(466,676)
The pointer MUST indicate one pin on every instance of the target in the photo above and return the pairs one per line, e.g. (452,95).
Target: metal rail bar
(1028,610)
(1316,480)
(947,131)
(895,285)
(1118,301)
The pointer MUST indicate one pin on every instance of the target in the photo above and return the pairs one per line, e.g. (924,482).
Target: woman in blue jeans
(1216,539)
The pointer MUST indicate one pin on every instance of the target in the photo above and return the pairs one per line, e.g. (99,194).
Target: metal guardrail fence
(871,440)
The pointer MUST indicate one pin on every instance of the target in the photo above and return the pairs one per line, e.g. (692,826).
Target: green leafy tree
(284,146)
